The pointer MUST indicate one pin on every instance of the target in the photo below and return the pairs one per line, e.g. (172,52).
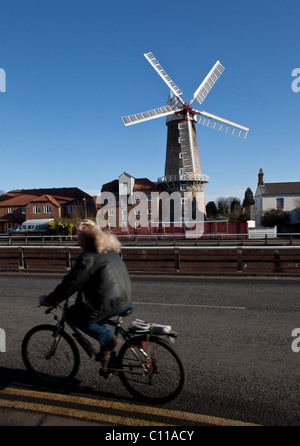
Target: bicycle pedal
(105,373)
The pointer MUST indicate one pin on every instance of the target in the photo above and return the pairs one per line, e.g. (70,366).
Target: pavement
(14,417)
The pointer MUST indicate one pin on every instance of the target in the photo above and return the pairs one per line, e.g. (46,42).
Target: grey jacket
(102,283)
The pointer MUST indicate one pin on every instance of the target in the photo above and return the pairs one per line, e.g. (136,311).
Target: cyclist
(102,283)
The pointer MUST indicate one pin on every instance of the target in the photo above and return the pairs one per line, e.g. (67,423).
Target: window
(23,210)
(181,171)
(279,203)
(71,209)
(183,200)
(183,187)
(47,209)
(10,210)
(149,197)
(111,213)
(181,155)
(137,212)
(36,209)
(150,211)
(136,198)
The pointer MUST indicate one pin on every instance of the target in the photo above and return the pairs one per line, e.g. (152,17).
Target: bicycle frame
(147,365)
(89,348)
(80,338)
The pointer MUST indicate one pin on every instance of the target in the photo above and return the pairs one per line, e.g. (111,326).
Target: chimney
(260,177)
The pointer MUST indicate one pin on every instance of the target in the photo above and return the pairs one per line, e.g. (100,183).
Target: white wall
(265,203)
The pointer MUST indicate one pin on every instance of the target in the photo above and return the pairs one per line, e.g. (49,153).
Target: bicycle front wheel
(50,357)
(151,369)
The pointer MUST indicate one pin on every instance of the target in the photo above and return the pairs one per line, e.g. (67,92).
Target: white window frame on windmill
(2,81)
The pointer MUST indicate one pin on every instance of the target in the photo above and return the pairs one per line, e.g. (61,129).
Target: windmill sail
(187,148)
(155,64)
(205,87)
(223,125)
(147,115)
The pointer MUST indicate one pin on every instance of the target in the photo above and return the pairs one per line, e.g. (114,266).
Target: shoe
(111,345)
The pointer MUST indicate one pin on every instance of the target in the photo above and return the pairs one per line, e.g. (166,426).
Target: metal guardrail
(189,260)
(220,239)
(38,240)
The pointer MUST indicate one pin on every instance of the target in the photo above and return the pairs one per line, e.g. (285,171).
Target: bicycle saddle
(126,312)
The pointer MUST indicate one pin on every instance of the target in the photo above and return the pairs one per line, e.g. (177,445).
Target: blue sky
(74,67)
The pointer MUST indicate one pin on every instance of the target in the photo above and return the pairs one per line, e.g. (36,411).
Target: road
(235,337)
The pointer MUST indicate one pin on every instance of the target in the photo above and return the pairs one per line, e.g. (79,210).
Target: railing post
(177,259)
(21,258)
(239,260)
(68,258)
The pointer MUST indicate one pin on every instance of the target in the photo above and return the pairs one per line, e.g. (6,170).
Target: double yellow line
(103,404)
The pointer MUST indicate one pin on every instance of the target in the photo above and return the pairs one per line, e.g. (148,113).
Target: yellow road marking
(167,413)
(75,413)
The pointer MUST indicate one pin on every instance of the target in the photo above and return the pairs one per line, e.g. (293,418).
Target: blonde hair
(92,238)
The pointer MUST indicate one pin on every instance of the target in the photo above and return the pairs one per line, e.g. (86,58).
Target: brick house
(18,206)
(139,205)
(125,194)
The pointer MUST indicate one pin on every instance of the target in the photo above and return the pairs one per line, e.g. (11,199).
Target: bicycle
(147,364)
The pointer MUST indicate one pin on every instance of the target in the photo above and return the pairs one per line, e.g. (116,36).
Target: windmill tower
(182,166)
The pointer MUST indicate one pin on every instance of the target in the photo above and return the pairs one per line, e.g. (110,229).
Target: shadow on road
(21,378)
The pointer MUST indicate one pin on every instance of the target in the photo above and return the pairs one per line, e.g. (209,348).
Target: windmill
(182,167)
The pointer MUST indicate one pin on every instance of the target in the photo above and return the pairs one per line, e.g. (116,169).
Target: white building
(281,196)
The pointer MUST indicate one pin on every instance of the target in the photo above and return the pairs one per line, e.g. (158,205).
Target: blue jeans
(100,331)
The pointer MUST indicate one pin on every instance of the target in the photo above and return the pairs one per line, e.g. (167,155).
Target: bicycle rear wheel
(51,358)
(151,369)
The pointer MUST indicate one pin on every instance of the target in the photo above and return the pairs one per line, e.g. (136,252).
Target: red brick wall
(30,215)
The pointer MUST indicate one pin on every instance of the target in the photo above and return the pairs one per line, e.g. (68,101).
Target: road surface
(235,339)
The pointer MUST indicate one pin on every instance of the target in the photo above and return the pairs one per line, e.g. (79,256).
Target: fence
(163,260)
(255,237)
